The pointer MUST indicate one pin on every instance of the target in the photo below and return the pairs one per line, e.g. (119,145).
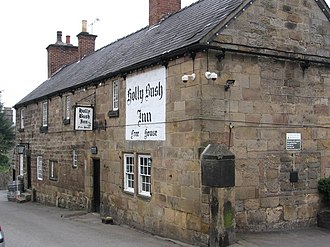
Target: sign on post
(84,118)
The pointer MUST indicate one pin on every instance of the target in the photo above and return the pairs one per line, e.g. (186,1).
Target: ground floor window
(21,164)
(53,170)
(144,175)
(74,159)
(39,168)
(140,170)
(129,173)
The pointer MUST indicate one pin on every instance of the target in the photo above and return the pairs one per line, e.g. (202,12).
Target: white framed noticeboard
(293,141)
(84,118)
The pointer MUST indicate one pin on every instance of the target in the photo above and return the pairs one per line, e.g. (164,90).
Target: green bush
(324,189)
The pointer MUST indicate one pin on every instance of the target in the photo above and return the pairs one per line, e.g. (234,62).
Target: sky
(29,26)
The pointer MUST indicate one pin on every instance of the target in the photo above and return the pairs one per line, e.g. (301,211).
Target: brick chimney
(60,54)
(86,41)
(159,9)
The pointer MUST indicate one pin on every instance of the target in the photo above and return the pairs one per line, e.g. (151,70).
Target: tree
(7,136)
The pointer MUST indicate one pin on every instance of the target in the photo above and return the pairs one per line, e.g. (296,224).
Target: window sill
(66,121)
(44,129)
(144,197)
(113,114)
(128,193)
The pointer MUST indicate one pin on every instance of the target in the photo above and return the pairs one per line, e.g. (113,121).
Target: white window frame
(22,112)
(67,107)
(129,176)
(144,175)
(115,95)
(39,168)
(74,159)
(21,164)
(44,114)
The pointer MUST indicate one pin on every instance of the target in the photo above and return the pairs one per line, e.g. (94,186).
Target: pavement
(308,237)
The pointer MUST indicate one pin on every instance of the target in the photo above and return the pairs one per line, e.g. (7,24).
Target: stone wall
(178,208)
(275,94)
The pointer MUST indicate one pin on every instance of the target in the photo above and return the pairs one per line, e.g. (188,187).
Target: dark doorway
(28,166)
(96,186)
(14,175)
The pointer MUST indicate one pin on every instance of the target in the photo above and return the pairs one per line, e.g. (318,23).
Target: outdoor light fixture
(228,84)
(185,78)
(211,75)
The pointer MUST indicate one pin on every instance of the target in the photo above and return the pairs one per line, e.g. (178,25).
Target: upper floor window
(129,173)
(21,123)
(39,168)
(115,96)
(44,114)
(67,107)
(115,100)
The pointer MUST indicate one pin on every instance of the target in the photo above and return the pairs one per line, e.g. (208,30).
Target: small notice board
(293,141)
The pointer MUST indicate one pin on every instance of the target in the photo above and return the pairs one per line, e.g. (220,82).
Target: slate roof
(180,30)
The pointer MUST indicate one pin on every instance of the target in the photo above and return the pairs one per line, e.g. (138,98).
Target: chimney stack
(86,41)
(61,54)
(159,9)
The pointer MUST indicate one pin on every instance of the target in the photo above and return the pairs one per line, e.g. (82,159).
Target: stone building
(123,130)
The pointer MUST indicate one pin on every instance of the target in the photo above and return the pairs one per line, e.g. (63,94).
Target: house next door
(96,185)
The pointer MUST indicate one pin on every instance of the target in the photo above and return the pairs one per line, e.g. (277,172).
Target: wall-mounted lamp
(228,84)
(211,75)
(185,78)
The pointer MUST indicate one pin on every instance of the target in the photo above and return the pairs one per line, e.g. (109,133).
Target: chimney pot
(68,39)
(59,36)
(84,26)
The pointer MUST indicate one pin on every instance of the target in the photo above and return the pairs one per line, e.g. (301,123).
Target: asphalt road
(34,225)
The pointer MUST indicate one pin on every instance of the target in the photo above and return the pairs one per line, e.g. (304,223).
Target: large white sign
(84,118)
(146,105)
